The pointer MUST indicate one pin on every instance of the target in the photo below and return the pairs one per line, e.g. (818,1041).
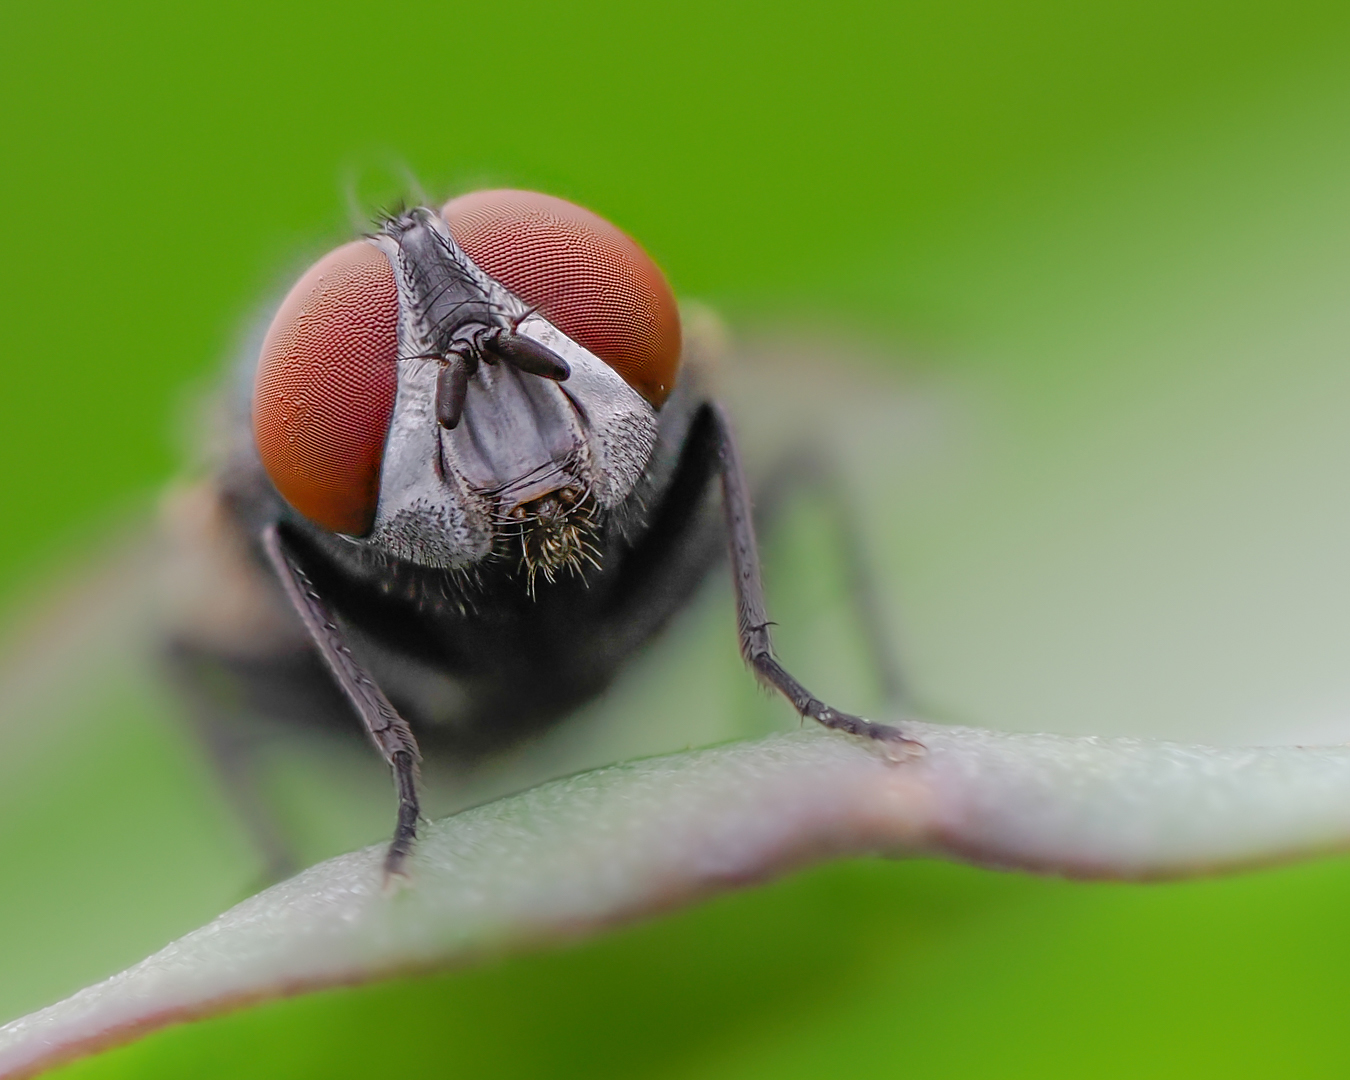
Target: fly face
(493,383)
(476,421)
(502,424)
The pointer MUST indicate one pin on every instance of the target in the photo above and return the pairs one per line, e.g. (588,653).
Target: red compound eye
(325,388)
(583,274)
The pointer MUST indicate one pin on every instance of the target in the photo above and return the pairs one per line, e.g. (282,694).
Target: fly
(470,479)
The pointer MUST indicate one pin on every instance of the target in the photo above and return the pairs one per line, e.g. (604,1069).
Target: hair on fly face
(552,534)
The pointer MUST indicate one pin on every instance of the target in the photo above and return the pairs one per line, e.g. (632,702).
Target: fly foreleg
(812,470)
(389,731)
(751,613)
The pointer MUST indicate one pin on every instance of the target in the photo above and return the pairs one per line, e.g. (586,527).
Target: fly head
(472,383)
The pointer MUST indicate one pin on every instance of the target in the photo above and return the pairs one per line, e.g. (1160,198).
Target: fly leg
(232,746)
(752,615)
(814,471)
(387,730)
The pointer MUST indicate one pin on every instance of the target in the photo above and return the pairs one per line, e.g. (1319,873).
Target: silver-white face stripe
(621,432)
(430,510)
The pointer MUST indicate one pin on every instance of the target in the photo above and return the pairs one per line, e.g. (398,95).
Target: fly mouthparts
(556,532)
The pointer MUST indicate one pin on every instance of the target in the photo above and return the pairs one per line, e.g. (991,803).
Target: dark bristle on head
(385,214)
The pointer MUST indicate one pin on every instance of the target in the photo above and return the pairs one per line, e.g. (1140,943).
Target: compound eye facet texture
(325,388)
(586,276)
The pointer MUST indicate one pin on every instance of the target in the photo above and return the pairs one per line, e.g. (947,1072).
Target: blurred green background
(1110,241)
